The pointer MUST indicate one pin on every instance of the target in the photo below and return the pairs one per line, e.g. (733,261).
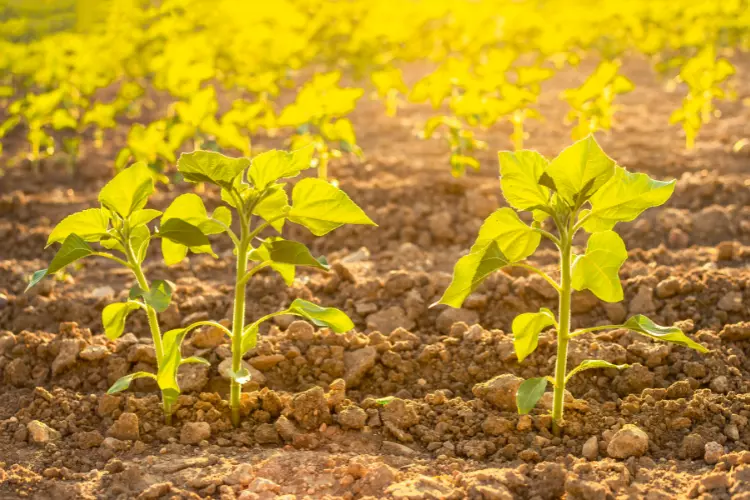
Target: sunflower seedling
(120,227)
(581,189)
(254,189)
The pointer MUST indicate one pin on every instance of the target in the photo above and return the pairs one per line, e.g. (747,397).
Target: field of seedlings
(343,249)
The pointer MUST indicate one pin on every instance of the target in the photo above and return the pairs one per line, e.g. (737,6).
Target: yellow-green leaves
(158,296)
(641,324)
(180,228)
(114,316)
(580,170)
(623,198)
(283,255)
(503,239)
(529,393)
(124,382)
(167,374)
(598,269)
(322,207)
(268,167)
(273,206)
(143,216)
(208,166)
(526,328)
(72,249)
(588,364)
(329,317)
(129,190)
(519,179)
(90,224)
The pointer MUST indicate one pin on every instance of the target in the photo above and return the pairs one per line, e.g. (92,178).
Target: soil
(314,424)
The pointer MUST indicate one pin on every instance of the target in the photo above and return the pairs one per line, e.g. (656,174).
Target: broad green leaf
(129,190)
(588,364)
(90,224)
(72,249)
(182,232)
(124,382)
(580,170)
(140,236)
(291,252)
(36,278)
(263,254)
(641,324)
(529,393)
(158,296)
(268,167)
(143,216)
(322,207)
(219,221)
(272,205)
(526,328)
(249,337)
(212,167)
(623,198)
(598,269)
(519,179)
(167,376)
(114,316)
(195,360)
(503,239)
(329,317)
(187,208)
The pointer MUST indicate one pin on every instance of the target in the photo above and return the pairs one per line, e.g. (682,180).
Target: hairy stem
(563,333)
(238,321)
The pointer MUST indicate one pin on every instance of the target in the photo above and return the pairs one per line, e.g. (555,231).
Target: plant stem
(323,166)
(563,333)
(238,323)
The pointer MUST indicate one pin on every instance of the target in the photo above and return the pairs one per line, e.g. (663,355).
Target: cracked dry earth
(674,425)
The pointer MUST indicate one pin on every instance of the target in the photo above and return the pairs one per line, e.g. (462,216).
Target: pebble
(630,441)
(713,452)
(125,427)
(499,391)
(195,432)
(41,433)
(94,353)
(591,448)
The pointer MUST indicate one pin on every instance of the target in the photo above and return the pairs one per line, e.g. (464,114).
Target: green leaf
(588,364)
(623,198)
(503,239)
(580,170)
(114,316)
(35,279)
(526,328)
(189,210)
(167,376)
(263,254)
(219,221)
(143,216)
(124,382)
(249,337)
(182,232)
(158,296)
(195,360)
(329,317)
(268,167)
(90,224)
(529,393)
(129,190)
(322,207)
(140,236)
(212,167)
(519,179)
(72,249)
(291,252)
(272,205)
(641,324)
(598,269)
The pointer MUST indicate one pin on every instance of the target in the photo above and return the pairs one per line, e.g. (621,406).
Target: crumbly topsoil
(315,423)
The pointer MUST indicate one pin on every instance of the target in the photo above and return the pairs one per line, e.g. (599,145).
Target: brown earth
(313,424)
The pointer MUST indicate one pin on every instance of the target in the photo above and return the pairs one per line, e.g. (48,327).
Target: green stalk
(238,322)
(563,332)
(323,166)
(153,323)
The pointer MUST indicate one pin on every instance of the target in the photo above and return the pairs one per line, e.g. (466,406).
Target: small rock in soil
(713,452)
(389,319)
(209,337)
(449,316)
(69,349)
(266,362)
(125,428)
(266,434)
(591,448)
(94,353)
(310,408)
(195,432)
(301,330)
(693,446)
(41,433)
(500,391)
(352,417)
(630,441)
(357,364)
